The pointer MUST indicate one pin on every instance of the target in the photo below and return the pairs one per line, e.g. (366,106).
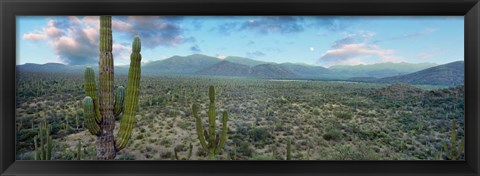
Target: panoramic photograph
(240,88)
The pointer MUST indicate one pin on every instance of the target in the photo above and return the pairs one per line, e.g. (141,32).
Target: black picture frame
(470,9)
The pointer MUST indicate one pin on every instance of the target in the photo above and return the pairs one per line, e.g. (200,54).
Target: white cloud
(352,53)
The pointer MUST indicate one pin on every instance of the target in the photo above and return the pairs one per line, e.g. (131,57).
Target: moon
(312,49)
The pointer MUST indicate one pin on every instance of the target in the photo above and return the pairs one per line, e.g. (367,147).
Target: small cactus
(79,150)
(289,148)
(210,141)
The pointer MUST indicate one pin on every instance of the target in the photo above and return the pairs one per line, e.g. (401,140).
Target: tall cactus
(454,152)
(209,139)
(102,110)
(43,142)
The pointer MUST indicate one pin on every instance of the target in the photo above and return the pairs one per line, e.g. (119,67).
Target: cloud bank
(75,39)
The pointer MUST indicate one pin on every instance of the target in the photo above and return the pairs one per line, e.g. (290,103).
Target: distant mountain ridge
(245,61)
(197,64)
(226,68)
(380,70)
(181,64)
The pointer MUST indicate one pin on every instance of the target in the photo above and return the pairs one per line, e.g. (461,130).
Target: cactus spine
(43,151)
(100,113)
(209,140)
(454,152)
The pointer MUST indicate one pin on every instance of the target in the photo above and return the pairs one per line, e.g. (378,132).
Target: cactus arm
(199,126)
(91,91)
(119,101)
(131,97)
(211,116)
(462,146)
(207,137)
(223,137)
(89,114)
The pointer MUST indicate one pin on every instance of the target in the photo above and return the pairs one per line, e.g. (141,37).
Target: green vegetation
(388,122)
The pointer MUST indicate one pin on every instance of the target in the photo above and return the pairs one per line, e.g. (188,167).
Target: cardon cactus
(102,110)
(454,152)
(43,142)
(209,139)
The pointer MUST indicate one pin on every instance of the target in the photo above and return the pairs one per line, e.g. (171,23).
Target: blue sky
(315,40)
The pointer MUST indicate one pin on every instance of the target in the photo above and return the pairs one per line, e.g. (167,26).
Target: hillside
(272,71)
(451,74)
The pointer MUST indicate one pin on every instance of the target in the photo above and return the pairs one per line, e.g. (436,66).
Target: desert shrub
(166,154)
(245,149)
(343,115)
(166,142)
(316,111)
(183,125)
(332,134)
(259,134)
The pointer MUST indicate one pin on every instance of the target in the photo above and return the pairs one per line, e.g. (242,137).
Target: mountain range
(450,74)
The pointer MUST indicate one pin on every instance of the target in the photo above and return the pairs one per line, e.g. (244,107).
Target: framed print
(235,88)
